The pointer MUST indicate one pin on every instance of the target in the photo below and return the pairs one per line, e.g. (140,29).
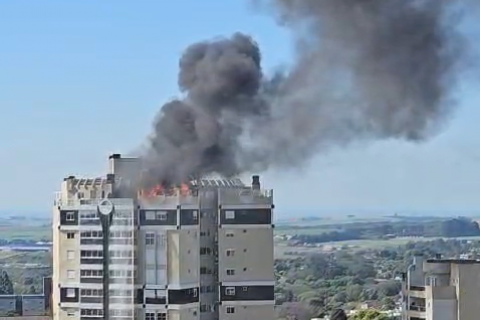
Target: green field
(319,226)
(281,249)
(11,232)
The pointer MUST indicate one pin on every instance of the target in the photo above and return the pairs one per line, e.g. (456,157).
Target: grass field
(319,226)
(40,232)
(281,249)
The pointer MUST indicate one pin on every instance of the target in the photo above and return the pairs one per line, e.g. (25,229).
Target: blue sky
(82,79)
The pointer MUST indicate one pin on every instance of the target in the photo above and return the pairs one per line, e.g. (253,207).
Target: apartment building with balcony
(441,289)
(201,252)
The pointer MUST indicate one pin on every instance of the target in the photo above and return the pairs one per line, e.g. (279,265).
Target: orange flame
(184,189)
(156,191)
(159,190)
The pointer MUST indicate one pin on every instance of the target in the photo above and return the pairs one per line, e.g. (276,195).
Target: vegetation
(6,286)
(369,315)
(457,227)
(317,284)
(25,271)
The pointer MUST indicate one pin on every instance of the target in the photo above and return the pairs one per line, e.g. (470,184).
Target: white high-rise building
(202,251)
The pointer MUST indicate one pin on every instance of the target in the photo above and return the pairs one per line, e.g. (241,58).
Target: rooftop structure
(441,289)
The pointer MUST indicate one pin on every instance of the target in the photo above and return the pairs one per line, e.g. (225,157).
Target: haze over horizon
(82,80)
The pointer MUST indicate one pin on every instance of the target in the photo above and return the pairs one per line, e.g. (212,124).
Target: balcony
(417,292)
(415,311)
(417,288)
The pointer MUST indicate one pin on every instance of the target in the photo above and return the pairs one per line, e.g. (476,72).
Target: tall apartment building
(442,289)
(201,251)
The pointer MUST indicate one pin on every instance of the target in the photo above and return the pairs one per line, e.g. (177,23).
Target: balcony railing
(417,288)
(417,308)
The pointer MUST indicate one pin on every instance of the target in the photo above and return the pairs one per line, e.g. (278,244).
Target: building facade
(441,289)
(201,251)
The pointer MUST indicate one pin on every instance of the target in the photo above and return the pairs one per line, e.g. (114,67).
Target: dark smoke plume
(363,70)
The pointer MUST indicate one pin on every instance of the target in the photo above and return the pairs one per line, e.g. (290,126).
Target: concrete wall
(252,259)
(242,312)
(184,314)
(467,281)
(183,256)
(33,305)
(8,305)
(441,310)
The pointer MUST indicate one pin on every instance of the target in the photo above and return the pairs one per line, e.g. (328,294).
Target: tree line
(449,228)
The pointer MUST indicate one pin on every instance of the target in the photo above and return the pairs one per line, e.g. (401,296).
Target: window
(91,273)
(230,214)
(230,252)
(120,293)
(162,241)
(121,274)
(70,255)
(206,289)
(149,315)
(91,312)
(150,239)
(161,215)
(205,270)
(91,293)
(230,272)
(150,215)
(70,235)
(161,316)
(431,281)
(71,293)
(91,254)
(71,274)
(230,309)
(121,254)
(230,291)
(229,234)
(92,234)
(70,216)
(120,313)
(205,251)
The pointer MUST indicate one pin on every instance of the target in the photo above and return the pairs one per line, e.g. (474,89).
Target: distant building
(28,304)
(200,251)
(442,289)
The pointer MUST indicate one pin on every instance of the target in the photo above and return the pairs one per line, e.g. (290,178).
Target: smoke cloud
(363,70)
